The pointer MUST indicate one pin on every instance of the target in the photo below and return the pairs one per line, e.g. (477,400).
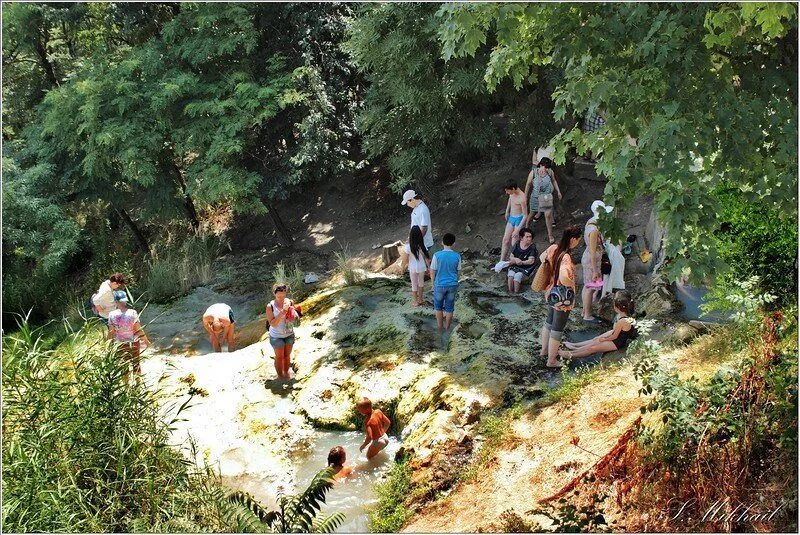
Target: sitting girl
(618,338)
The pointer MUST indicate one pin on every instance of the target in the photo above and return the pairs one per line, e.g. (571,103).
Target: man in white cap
(421,217)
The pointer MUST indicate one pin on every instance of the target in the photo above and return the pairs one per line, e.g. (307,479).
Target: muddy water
(355,495)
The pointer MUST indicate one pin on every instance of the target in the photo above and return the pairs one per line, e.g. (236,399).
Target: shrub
(346,267)
(391,513)
(294,278)
(85,451)
(175,271)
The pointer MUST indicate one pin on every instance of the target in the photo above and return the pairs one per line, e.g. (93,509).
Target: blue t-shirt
(446,264)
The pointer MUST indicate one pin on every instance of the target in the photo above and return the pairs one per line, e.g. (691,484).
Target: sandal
(593,321)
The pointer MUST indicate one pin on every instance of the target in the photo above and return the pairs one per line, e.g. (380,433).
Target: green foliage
(83,450)
(569,388)
(418,111)
(391,513)
(363,345)
(646,67)
(753,238)
(296,513)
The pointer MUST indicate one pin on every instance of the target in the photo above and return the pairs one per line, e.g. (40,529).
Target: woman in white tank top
(280,315)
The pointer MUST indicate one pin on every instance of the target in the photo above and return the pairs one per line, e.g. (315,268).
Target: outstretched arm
(231,337)
(614,334)
(555,183)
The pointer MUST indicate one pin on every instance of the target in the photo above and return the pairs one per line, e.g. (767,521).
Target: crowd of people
(552,272)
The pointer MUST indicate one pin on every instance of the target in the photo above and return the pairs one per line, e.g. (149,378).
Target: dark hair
(336,456)
(624,301)
(523,231)
(570,233)
(511,184)
(119,278)
(278,285)
(546,162)
(416,243)
(448,239)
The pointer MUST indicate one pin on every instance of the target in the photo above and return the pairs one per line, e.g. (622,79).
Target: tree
(418,111)
(695,96)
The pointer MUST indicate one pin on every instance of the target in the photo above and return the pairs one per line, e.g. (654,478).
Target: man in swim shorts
(377,426)
(516,213)
(218,323)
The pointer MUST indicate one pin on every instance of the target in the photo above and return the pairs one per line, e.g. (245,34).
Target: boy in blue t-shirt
(444,273)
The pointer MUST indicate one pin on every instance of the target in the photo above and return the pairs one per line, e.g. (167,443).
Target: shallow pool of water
(505,307)
(355,495)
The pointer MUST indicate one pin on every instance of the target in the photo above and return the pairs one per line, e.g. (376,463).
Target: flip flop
(593,321)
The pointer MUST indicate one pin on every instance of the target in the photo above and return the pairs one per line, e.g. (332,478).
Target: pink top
(124,324)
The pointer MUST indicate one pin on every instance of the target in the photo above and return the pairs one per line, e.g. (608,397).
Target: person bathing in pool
(336,460)
(617,338)
(377,426)
(516,213)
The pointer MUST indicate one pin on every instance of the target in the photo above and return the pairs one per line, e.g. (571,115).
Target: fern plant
(297,513)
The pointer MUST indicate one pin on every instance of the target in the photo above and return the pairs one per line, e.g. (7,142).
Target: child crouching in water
(418,262)
(377,426)
(336,460)
(617,338)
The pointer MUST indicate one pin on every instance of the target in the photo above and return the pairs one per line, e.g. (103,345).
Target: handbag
(605,264)
(560,295)
(542,277)
(545,200)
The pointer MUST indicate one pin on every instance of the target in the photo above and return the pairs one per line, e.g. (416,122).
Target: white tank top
(283,329)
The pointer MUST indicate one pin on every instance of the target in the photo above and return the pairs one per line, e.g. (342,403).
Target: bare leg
(448,319)
(552,354)
(506,248)
(279,360)
(517,286)
(439,319)
(545,335)
(597,347)
(374,449)
(587,295)
(510,284)
(548,219)
(287,360)
(215,345)
(421,288)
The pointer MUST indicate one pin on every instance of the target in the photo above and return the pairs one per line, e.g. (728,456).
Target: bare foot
(555,364)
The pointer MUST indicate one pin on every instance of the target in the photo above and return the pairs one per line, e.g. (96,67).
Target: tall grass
(84,451)
(345,266)
(175,271)
(294,278)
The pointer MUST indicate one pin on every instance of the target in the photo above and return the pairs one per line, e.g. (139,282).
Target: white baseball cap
(408,195)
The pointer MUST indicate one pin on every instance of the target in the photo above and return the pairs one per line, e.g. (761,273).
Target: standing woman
(418,262)
(280,317)
(564,277)
(542,181)
(592,256)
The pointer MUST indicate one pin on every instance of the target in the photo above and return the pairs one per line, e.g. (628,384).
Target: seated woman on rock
(336,460)
(617,338)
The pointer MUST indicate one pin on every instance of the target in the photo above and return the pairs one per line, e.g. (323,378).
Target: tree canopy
(695,96)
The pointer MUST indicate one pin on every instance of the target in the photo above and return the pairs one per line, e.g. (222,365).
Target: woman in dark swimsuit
(617,338)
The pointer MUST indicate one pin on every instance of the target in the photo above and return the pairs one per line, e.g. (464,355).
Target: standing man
(421,217)
(102,302)
(218,323)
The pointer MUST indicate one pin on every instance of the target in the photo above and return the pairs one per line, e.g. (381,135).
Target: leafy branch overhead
(695,96)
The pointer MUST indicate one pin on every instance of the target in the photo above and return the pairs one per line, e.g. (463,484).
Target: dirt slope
(539,457)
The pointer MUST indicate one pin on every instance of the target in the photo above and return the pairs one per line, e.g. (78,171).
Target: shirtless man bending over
(377,426)
(516,213)
(218,323)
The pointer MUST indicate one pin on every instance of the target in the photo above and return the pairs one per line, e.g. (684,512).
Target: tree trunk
(188,203)
(282,230)
(41,52)
(141,241)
